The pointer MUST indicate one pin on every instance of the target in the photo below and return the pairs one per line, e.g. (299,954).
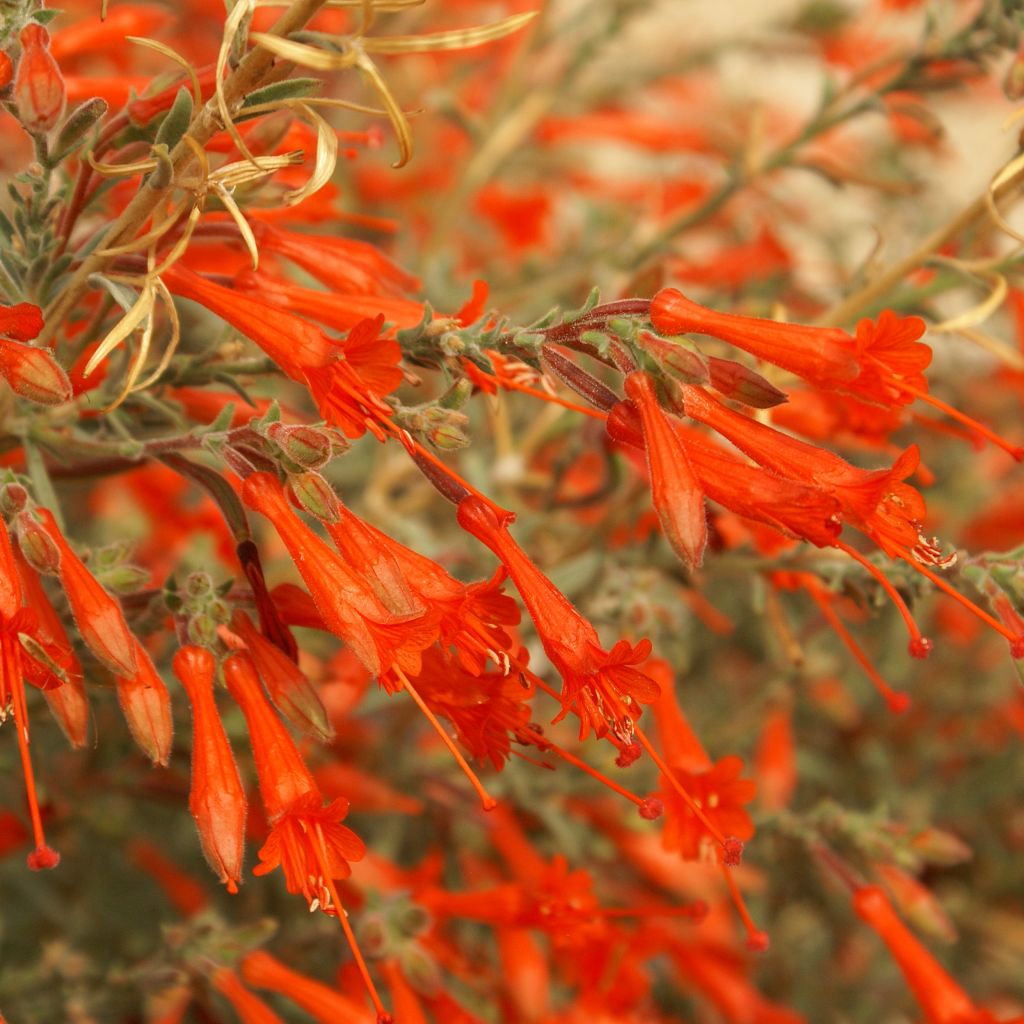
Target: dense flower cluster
(467,574)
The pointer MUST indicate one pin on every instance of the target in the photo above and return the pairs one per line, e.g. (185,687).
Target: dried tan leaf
(304,55)
(241,223)
(456,39)
(326,157)
(172,345)
(403,134)
(150,237)
(123,328)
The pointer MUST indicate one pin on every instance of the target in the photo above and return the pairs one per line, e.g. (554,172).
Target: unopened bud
(457,395)
(682,361)
(124,578)
(736,381)
(36,545)
(445,428)
(308,447)
(202,630)
(39,92)
(197,585)
(373,936)
(941,848)
(13,498)
(34,374)
(315,495)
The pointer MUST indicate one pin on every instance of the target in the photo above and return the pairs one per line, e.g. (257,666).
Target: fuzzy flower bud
(308,447)
(39,550)
(34,374)
(315,495)
(736,381)
(39,92)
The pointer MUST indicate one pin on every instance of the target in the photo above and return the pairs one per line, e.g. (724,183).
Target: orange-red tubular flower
(789,506)
(217,799)
(322,1003)
(350,609)
(941,999)
(823,355)
(283,776)
(470,617)
(675,491)
(39,93)
(293,343)
(97,614)
(341,311)
(15,620)
(307,838)
(605,688)
(66,695)
(342,264)
(147,708)
(876,502)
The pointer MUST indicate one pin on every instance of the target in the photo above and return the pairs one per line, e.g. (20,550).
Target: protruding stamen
(488,801)
(43,856)
(946,588)
(320,852)
(896,702)
(920,646)
(757,940)
(1017,451)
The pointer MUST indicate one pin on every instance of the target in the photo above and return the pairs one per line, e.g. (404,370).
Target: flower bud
(937,846)
(202,630)
(445,428)
(682,361)
(39,550)
(198,585)
(738,382)
(13,498)
(315,495)
(124,578)
(34,374)
(308,447)
(39,92)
